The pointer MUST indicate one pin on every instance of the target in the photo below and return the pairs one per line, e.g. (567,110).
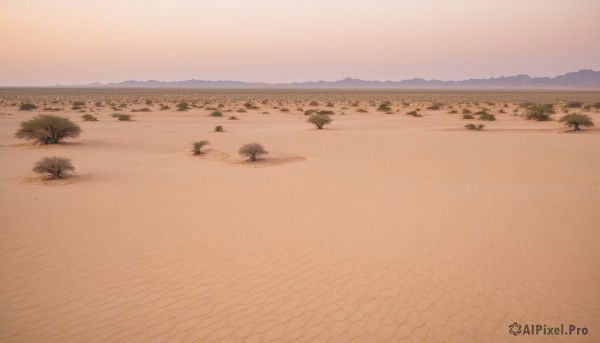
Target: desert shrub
(89,117)
(413,113)
(502,111)
(325,112)
(183,106)
(576,120)
(385,107)
(241,110)
(197,147)
(124,117)
(319,120)
(216,114)
(466,111)
(487,117)
(468,116)
(57,167)
(50,109)
(78,103)
(164,108)
(362,110)
(329,104)
(234,118)
(285,109)
(47,129)
(453,112)
(309,112)
(251,106)
(596,105)
(219,128)
(145,109)
(472,126)
(148,102)
(355,104)
(574,104)
(252,150)
(313,103)
(540,112)
(116,115)
(98,104)
(435,106)
(27,107)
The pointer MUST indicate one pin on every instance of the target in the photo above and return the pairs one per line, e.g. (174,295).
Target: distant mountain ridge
(589,79)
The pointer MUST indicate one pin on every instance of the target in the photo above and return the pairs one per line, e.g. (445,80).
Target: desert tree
(47,129)
(197,147)
(319,120)
(252,150)
(56,167)
(576,120)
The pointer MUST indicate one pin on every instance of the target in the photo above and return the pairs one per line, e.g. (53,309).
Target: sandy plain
(379,228)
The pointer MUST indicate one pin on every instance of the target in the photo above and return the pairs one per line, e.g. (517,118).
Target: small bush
(329,104)
(362,110)
(57,167)
(468,116)
(89,117)
(183,106)
(219,128)
(197,147)
(413,113)
(487,117)
(47,129)
(326,112)
(574,104)
(319,120)
(435,106)
(309,112)
(145,109)
(576,120)
(285,109)
(251,106)
(252,150)
(241,110)
(472,126)
(234,118)
(78,104)
(466,111)
(164,108)
(453,112)
(216,114)
(313,103)
(124,117)
(385,107)
(27,107)
(596,105)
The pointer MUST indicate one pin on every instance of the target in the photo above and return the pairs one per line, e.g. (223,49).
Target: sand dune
(380,228)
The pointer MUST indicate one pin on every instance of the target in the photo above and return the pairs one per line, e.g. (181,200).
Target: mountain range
(583,79)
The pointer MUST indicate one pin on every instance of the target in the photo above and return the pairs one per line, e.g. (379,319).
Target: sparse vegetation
(145,109)
(468,116)
(183,106)
(576,121)
(56,167)
(216,114)
(47,129)
(472,126)
(197,147)
(89,117)
(413,113)
(234,118)
(574,104)
(385,107)
(219,128)
(124,117)
(252,150)
(486,116)
(319,120)
(27,107)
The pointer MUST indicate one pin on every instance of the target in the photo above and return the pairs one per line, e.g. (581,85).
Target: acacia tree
(319,120)
(252,150)
(47,129)
(576,120)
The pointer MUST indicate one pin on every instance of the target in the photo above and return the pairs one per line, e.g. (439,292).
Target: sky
(47,42)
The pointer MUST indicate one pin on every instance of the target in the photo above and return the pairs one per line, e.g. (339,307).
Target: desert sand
(378,228)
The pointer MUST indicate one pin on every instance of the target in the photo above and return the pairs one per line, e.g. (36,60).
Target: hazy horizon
(70,42)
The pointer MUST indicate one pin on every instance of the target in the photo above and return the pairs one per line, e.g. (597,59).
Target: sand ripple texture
(380,232)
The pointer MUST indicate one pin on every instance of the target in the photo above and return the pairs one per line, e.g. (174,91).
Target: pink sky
(74,41)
